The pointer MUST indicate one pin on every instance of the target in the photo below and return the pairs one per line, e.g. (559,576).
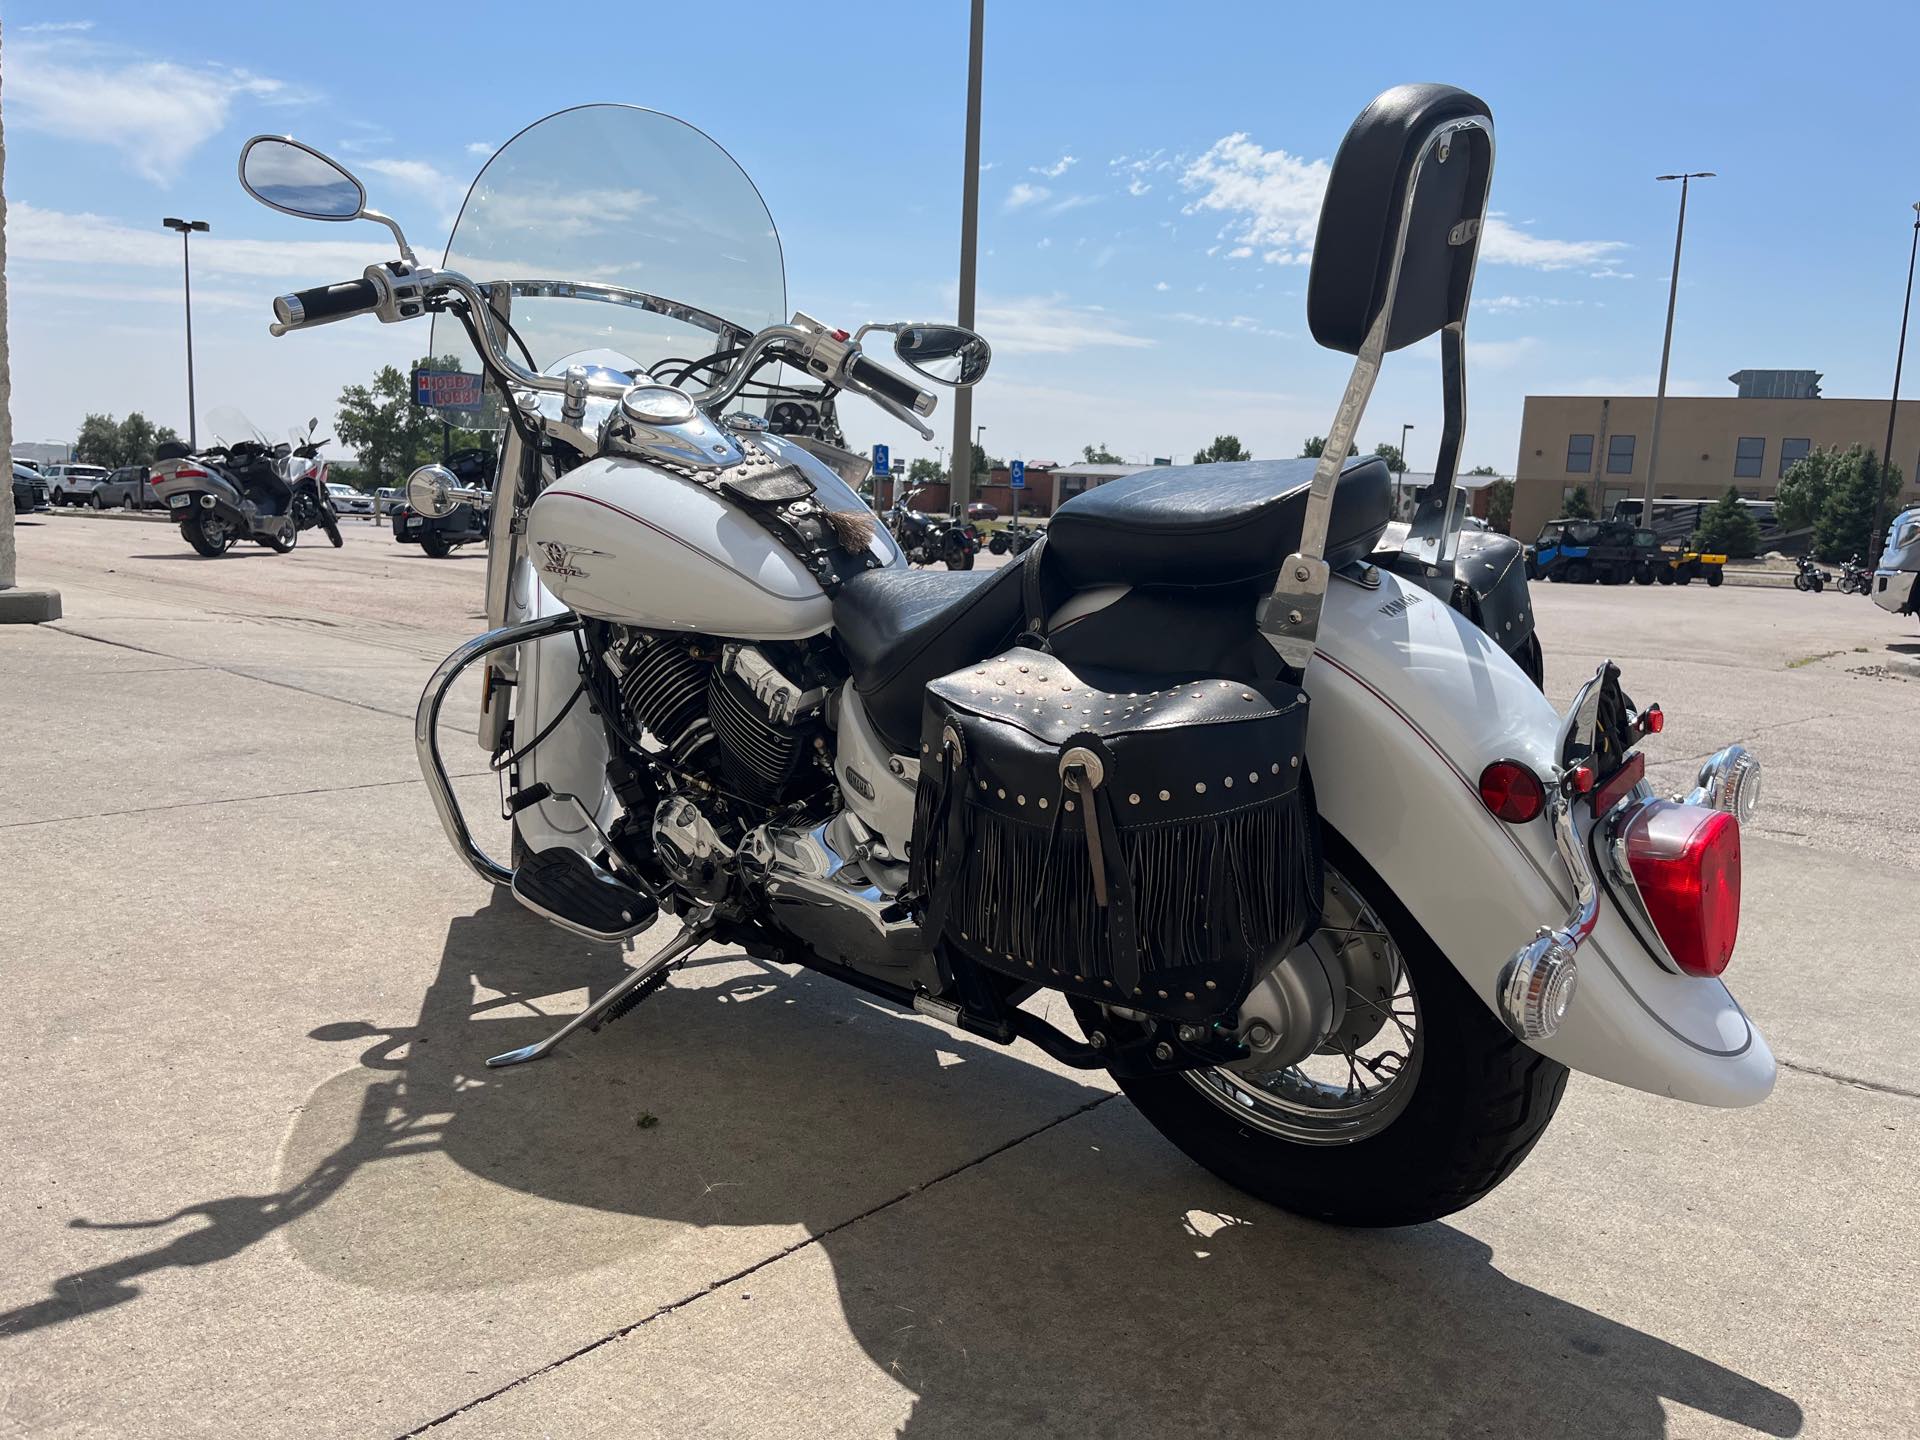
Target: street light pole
(1401,483)
(1893,406)
(960,489)
(1666,345)
(186,229)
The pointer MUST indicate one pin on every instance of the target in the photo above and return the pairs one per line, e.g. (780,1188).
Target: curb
(87,512)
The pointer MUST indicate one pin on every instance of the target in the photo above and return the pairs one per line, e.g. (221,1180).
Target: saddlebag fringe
(1140,845)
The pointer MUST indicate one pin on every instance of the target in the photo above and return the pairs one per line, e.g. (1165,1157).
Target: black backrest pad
(1210,524)
(1360,219)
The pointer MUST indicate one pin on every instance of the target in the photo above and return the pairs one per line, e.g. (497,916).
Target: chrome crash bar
(426,733)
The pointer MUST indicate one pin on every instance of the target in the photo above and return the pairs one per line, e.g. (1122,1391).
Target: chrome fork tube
(426,734)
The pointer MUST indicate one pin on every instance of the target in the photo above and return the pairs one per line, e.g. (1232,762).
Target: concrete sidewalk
(261,1184)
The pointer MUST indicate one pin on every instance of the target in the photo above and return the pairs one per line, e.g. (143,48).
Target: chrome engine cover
(691,850)
(827,886)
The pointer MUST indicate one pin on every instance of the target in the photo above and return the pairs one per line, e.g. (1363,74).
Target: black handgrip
(884,382)
(326,302)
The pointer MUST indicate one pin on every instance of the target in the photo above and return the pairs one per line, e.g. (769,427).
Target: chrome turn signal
(1536,987)
(1729,781)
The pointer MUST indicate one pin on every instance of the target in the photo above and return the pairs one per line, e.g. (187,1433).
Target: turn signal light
(1512,792)
(1686,864)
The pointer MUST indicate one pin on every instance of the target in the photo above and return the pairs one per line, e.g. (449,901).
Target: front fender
(1410,702)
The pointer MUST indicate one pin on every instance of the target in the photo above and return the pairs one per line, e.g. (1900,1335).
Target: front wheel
(1818,584)
(1800,583)
(281,544)
(59,498)
(1418,1106)
(1715,579)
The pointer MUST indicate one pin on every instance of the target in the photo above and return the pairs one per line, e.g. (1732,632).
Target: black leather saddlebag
(1117,837)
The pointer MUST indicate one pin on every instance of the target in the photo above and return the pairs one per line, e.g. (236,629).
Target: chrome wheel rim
(214,528)
(1355,1085)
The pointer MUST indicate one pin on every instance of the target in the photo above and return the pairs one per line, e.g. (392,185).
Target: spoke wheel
(1357,1083)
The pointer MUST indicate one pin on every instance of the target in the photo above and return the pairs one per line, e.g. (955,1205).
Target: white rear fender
(1410,701)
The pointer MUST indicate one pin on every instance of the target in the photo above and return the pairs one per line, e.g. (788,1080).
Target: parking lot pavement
(260,1184)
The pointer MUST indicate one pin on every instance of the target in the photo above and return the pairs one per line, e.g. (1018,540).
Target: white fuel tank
(619,539)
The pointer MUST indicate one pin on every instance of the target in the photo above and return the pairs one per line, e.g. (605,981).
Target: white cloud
(1271,199)
(1056,169)
(480,148)
(1246,324)
(59,236)
(1137,187)
(55,27)
(1048,325)
(1240,252)
(154,112)
(443,191)
(1162,285)
(1607,272)
(1023,194)
(1502,243)
(1070,202)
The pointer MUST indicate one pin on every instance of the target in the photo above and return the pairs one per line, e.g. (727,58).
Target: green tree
(389,433)
(1101,455)
(1499,505)
(1396,462)
(1579,505)
(925,472)
(1728,528)
(1804,488)
(1845,525)
(983,464)
(1224,447)
(113,443)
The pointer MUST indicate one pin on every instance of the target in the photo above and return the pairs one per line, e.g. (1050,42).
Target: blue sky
(1151,180)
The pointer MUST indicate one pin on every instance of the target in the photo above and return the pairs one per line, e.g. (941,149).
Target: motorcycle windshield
(229,426)
(631,238)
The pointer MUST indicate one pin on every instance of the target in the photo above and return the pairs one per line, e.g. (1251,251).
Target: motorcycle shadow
(1088,1281)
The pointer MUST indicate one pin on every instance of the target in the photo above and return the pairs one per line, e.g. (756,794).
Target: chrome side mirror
(436,492)
(299,180)
(944,354)
(296,179)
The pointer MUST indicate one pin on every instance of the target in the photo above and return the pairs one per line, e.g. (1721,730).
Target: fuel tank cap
(657,405)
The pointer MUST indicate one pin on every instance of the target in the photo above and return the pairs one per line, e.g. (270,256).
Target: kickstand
(691,936)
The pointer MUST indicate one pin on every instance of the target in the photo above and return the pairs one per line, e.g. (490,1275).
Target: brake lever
(899,412)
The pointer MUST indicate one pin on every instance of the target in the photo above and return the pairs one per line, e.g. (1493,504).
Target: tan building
(1600,443)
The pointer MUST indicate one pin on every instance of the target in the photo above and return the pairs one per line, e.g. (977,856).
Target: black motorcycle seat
(902,629)
(1211,524)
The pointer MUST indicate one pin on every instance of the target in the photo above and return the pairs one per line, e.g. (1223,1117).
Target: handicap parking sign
(881,465)
(1017,475)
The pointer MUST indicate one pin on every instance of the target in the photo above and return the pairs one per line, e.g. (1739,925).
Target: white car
(73,484)
(389,498)
(349,501)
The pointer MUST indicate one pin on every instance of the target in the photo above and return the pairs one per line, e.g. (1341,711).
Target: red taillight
(187,472)
(1511,792)
(1686,862)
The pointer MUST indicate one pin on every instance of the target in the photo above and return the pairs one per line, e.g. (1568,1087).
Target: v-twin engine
(719,709)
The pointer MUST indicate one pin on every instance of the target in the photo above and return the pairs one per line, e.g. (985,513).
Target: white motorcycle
(1335,962)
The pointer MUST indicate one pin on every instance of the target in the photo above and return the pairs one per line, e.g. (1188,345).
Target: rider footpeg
(573,892)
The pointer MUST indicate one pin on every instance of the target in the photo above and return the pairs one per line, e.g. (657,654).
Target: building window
(1792,451)
(1619,454)
(1749,457)
(1579,454)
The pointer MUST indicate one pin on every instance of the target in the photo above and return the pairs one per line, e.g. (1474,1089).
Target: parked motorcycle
(465,524)
(1808,576)
(245,487)
(930,539)
(1855,577)
(1346,963)
(1016,539)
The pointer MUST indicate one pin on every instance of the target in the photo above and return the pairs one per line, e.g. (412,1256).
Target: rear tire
(212,545)
(438,548)
(1480,1102)
(98,502)
(1715,578)
(280,546)
(1577,572)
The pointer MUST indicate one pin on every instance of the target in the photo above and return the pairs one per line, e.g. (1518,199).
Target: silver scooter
(245,488)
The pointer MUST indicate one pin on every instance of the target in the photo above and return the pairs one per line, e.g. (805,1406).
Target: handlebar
(880,381)
(397,291)
(323,303)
